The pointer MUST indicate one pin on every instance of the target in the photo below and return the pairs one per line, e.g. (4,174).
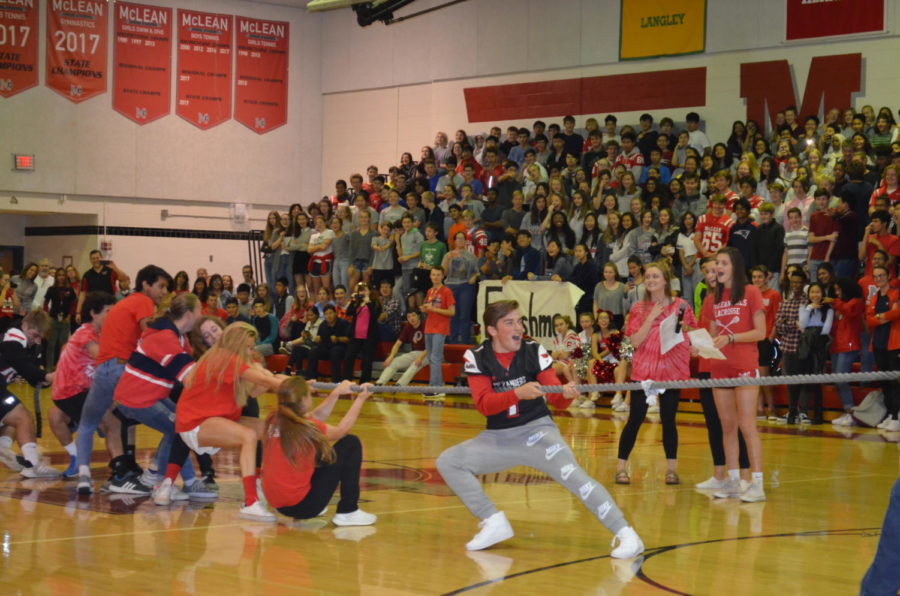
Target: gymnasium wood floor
(816,534)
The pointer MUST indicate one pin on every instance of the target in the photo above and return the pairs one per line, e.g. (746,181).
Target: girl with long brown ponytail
(301,468)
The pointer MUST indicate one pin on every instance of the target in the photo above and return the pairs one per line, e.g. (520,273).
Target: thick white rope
(819,379)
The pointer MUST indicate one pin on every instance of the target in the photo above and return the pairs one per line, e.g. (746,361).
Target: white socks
(6,442)
(30,453)
(71,449)
(734,475)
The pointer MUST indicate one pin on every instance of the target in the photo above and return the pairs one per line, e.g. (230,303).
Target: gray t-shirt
(611,300)
(383,259)
(461,268)
(341,246)
(410,243)
(361,245)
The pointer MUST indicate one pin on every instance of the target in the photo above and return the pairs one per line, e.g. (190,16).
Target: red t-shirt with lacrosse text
(741,358)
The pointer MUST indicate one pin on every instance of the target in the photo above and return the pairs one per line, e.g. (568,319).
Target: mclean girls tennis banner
(204,67)
(652,28)
(142,87)
(261,76)
(18,46)
(823,18)
(77,39)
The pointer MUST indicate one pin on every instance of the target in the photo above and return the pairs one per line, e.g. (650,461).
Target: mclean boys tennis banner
(142,62)
(261,75)
(77,40)
(204,67)
(652,28)
(18,46)
(823,18)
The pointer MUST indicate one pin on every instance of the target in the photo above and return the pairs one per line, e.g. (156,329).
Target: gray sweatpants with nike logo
(538,445)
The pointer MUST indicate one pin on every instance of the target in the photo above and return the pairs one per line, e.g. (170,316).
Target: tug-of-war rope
(818,379)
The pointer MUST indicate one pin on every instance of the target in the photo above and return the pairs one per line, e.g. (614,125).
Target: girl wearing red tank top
(208,414)
(737,321)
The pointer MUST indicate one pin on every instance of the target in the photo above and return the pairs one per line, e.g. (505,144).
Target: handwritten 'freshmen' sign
(18,46)
(260,101)
(538,302)
(77,48)
(204,67)
(142,88)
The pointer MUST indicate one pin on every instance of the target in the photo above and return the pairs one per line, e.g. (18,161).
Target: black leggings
(889,360)
(324,481)
(714,430)
(668,407)
(365,350)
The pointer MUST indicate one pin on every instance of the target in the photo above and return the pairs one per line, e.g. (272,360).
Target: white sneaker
(843,420)
(745,484)
(178,494)
(494,529)
(731,490)
(8,458)
(257,512)
(40,471)
(587,404)
(162,494)
(755,492)
(654,409)
(883,423)
(630,544)
(616,400)
(892,426)
(150,478)
(622,407)
(323,512)
(576,403)
(260,494)
(354,518)
(711,483)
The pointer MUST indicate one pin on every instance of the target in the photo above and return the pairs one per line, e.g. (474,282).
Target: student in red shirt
(208,414)
(301,468)
(649,363)
(712,229)
(737,321)
(760,275)
(211,307)
(849,309)
(120,334)
(75,373)
(439,307)
(877,237)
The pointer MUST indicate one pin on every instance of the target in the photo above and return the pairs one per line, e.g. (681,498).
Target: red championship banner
(142,84)
(823,18)
(77,38)
(260,98)
(18,46)
(204,67)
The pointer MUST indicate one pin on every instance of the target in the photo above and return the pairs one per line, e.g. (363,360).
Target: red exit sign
(23,162)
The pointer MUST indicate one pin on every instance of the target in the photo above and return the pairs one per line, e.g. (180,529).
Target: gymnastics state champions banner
(808,19)
(538,302)
(204,67)
(142,62)
(18,46)
(77,39)
(260,96)
(652,28)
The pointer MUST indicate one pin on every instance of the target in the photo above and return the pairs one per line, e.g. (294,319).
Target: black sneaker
(129,484)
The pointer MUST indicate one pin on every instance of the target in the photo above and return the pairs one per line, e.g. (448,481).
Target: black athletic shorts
(71,406)
(251,408)
(421,280)
(766,352)
(8,403)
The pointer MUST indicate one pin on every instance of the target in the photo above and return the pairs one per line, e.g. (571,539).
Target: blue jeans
(881,578)
(97,403)
(268,268)
(161,416)
(866,357)
(281,267)
(434,346)
(813,265)
(340,275)
(846,268)
(842,362)
(461,324)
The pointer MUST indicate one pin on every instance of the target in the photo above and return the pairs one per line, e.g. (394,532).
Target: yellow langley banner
(651,28)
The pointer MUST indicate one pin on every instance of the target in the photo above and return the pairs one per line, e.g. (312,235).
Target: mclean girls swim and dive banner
(204,67)
(142,61)
(18,46)
(260,95)
(77,38)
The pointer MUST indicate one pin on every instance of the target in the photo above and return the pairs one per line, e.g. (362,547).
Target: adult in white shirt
(43,281)
(698,138)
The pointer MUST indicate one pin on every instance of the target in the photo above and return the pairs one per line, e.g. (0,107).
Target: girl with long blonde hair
(301,467)
(208,415)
